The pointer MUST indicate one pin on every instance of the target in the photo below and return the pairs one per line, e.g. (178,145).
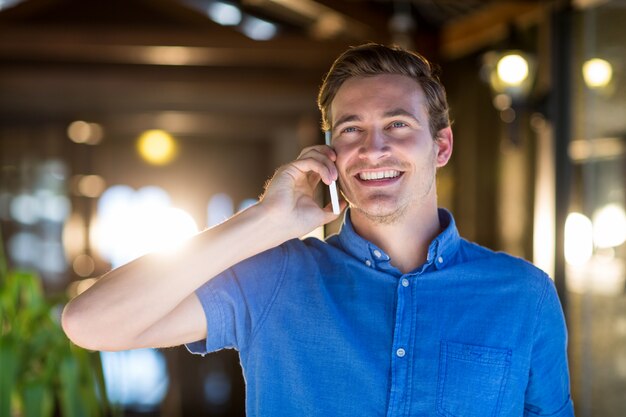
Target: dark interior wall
(476,128)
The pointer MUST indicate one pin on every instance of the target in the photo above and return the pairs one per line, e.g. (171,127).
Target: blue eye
(349,130)
(398,124)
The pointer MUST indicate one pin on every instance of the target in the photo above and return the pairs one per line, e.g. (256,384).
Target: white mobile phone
(334,197)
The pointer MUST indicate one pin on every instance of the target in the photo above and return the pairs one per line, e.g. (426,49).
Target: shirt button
(440,260)
(400,353)
(368,262)
(405,282)
(377,253)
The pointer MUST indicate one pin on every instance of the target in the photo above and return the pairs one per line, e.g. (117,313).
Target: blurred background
(128,125)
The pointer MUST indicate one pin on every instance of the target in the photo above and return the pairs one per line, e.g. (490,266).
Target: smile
(378,175)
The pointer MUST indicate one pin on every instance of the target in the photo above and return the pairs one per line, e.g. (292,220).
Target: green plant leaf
(70,388)
(3,259)
(40,369)
(8,376)
(37,399)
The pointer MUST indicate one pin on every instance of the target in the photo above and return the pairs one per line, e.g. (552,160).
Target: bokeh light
(132,223)
(80,131)
(258,29)
(84,265)
(609,226)
(157,147)
(578,239)
(224,13)
(136,379)
(597,73)
(512,69)
(91,186)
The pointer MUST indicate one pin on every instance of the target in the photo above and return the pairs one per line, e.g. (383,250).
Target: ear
(444,143)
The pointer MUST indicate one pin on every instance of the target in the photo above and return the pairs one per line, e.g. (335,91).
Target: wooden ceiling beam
(206,104)
(488,26)
(154,47)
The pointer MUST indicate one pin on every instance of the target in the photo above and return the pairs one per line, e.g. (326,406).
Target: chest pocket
(471,380)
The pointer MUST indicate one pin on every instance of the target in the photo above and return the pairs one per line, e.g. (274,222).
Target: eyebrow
(401,112)
(346,119)
(391,113)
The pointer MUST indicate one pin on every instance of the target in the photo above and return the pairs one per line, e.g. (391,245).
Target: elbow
(70,322)
(88,331)
(77,329)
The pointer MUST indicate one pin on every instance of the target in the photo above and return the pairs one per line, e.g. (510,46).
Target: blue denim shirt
(334,329)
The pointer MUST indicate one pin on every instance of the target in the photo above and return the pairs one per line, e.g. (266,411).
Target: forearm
(148,301)
(127,301)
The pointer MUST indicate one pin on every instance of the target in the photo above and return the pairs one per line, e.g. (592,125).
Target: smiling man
(396,315)
(387,158)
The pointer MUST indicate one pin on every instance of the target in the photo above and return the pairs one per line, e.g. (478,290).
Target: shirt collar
(443,248)
(440,251)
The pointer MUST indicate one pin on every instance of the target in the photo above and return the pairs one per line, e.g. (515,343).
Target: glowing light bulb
(157,147)
(597,73)
(512,69)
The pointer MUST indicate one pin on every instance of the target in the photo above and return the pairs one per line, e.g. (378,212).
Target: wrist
(271,224)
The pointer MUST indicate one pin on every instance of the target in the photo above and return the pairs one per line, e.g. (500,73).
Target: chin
(381,214)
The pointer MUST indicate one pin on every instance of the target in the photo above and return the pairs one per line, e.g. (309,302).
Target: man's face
(386,155)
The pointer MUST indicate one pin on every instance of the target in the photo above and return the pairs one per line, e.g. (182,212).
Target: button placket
(401,365)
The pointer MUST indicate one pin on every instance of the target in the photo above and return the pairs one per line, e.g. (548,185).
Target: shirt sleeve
(235,301)
(548,391)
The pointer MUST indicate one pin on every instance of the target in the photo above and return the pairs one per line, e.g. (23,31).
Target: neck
(406,240)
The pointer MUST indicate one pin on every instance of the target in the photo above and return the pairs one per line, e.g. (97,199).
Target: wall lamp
(597,73)
(510,72)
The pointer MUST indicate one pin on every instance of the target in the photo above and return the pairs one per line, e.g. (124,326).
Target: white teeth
(379,175)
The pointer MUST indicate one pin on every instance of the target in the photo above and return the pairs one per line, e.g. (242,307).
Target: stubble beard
(377,209)
(381,215)
(384,219)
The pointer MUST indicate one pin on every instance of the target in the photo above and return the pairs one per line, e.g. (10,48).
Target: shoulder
(509,268)
(294,253)
(473,252)
(310,247)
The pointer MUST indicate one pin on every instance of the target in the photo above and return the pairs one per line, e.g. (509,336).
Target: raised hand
(290,194)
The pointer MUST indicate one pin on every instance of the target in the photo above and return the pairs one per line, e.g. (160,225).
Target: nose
(374,146)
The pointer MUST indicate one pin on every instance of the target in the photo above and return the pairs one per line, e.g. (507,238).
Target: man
(396,315)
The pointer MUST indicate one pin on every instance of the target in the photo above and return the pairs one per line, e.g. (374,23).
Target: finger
(323,149)
(308,166)
(323,158)
(319,164)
